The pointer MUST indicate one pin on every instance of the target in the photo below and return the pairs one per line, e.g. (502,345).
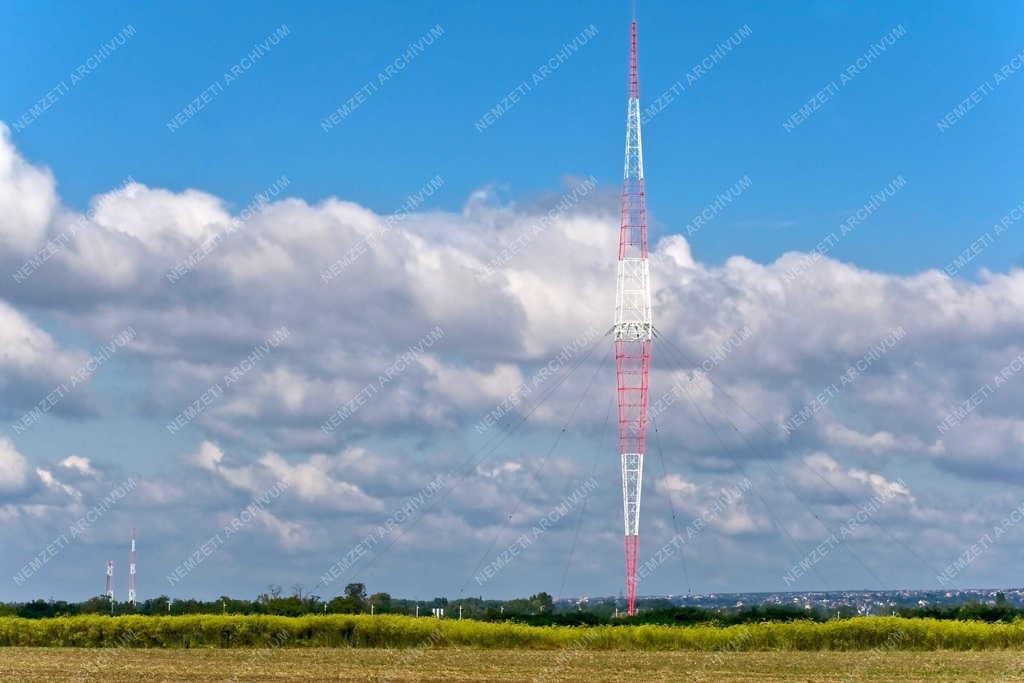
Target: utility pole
(460,611)
(417,610)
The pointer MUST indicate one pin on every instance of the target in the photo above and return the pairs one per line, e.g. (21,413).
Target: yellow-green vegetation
(389,631)
(460,665)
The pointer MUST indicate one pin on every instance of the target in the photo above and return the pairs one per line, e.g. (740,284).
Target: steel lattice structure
(633,326)
(131,571)
(110,580)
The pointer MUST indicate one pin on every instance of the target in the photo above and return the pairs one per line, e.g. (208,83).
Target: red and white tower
(633,326)
(131,571)
(110,580)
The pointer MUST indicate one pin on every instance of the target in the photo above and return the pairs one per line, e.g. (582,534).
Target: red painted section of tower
(633,219)
(632,553)
(632,369)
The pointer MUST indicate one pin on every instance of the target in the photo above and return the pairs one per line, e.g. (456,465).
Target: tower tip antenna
(634,78)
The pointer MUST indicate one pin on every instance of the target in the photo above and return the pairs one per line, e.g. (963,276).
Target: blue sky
(420,124)
(476,258)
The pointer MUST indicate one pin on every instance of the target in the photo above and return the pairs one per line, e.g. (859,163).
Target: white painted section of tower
(634,165)
(633,320)
(632,476)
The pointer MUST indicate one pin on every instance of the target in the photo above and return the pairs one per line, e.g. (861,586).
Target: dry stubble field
(454,665)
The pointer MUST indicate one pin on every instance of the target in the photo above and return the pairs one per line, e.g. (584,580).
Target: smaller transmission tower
(131,571)
(110,580)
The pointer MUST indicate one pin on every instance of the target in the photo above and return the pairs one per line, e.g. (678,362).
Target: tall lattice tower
(633,326)
(131,571)
(110,580)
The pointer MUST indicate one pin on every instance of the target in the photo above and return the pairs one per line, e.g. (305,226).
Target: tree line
(538,609)
(299,602)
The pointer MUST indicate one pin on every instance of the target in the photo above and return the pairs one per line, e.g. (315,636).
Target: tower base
(632,552)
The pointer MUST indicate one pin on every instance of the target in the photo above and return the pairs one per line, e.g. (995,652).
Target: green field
(399,648)
(390,631)
(456,665)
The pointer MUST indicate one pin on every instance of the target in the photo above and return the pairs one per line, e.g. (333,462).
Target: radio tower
(131,572)
(110,580)
(633,326)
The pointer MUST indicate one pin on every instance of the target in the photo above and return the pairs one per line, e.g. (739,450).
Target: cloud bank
(826,384)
